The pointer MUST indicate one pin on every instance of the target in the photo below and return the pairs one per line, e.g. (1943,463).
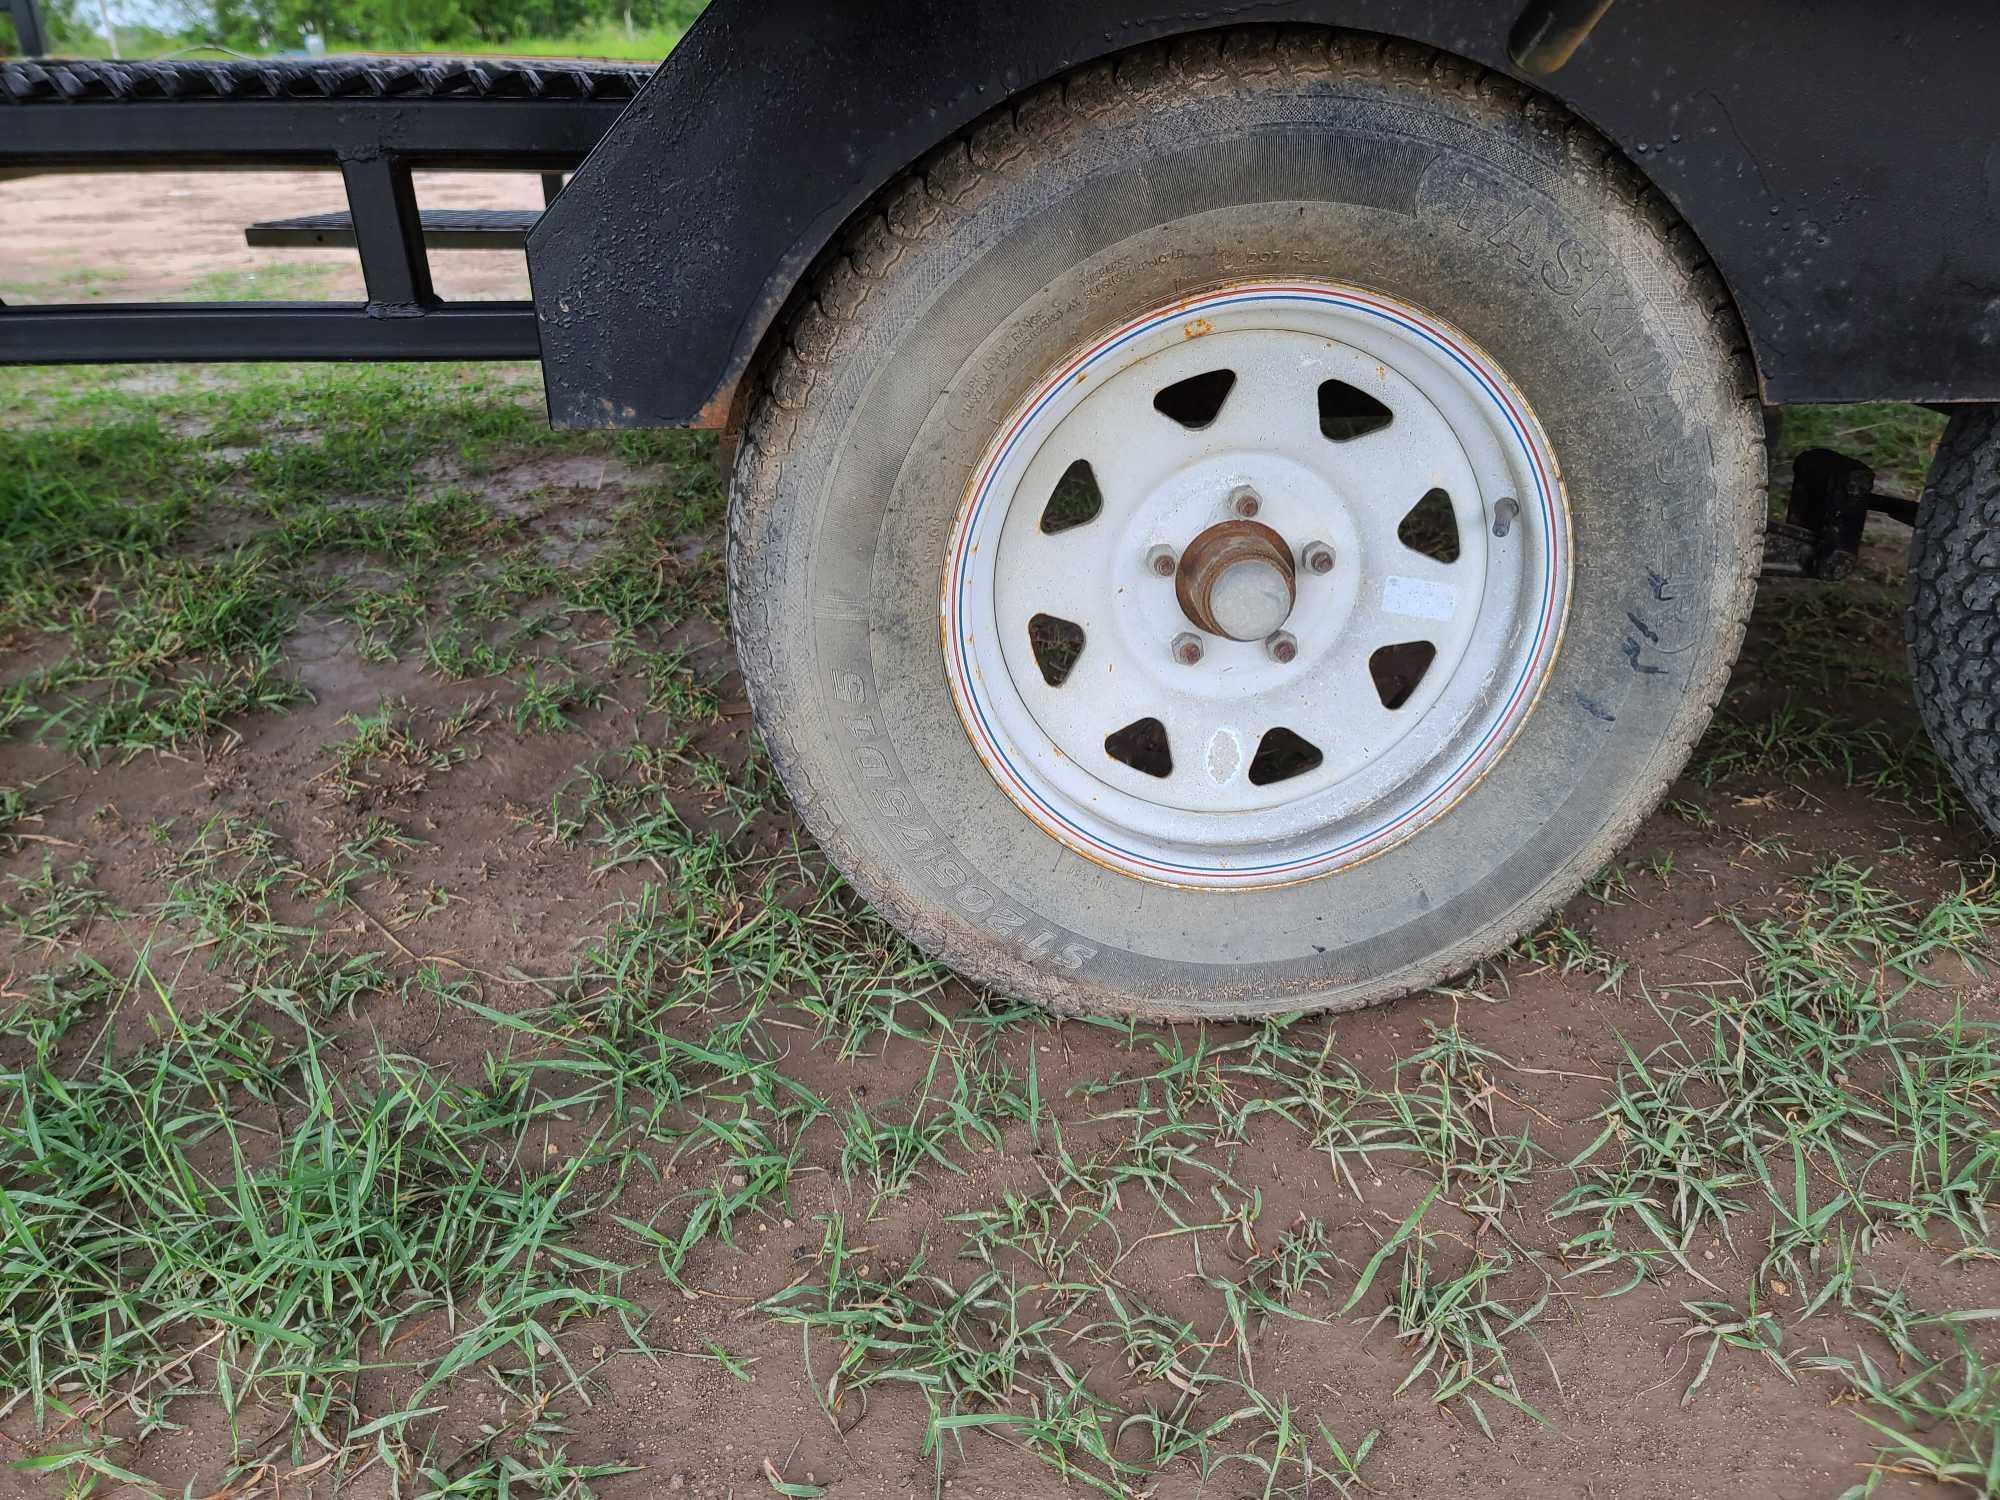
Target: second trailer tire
(1247,528)
(1954,617)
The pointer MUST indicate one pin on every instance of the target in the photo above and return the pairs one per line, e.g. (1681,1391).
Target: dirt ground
(514,878)
(139,236)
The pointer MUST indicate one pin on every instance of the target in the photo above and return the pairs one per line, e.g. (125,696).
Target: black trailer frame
(1838,161)
(374,119)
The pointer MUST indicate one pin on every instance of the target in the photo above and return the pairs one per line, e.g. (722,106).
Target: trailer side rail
(375,119)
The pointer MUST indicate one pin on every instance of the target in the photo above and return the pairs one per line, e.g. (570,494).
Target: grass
(1459,1329)
(999,1358)
(1896,441)
(1796,742)
(54,906)
(533,1463)
(1821,698)
(157,643)
(1936,1409)
(640,44)
(396,751)
(301,1164)
(219,1195)
(272,283)
(1806,1086)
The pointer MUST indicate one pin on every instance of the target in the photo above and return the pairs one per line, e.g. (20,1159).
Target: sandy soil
(142,236)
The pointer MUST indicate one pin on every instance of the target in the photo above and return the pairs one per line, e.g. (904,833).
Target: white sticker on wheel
(1224,756)
(1419,598)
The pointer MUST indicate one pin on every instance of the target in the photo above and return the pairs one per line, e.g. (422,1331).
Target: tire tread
(1952,625)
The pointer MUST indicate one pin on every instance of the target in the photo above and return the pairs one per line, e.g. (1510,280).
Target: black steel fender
(1838,159)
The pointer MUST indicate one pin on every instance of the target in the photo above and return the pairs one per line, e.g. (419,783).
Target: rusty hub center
(1237,579)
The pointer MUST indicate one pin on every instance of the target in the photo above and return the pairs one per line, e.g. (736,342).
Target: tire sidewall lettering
(1533,242)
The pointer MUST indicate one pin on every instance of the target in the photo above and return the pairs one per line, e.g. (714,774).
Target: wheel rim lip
(1550,499)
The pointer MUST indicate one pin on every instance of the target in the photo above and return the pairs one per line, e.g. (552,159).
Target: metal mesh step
(444,229)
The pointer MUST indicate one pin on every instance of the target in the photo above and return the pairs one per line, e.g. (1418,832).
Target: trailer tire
(1457,245)
(1953,624)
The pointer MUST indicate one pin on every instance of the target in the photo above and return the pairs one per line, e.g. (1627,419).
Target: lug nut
(1282,645)
(1317,557)
(1187,648)
(1160,561)
(1243,500)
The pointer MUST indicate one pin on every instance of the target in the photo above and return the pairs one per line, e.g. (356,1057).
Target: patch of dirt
(146,236)
(566,499)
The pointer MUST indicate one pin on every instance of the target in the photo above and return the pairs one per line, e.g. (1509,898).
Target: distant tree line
(368,25)
(258,25)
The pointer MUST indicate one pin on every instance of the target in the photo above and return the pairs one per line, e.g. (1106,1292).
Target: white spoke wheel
(1408,662)
(1245,531)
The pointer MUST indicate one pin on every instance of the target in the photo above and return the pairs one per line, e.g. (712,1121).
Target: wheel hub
(1237,580)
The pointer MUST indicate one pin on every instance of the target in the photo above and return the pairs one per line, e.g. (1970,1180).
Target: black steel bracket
(1832,496)
(28,29)
(1547,32)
